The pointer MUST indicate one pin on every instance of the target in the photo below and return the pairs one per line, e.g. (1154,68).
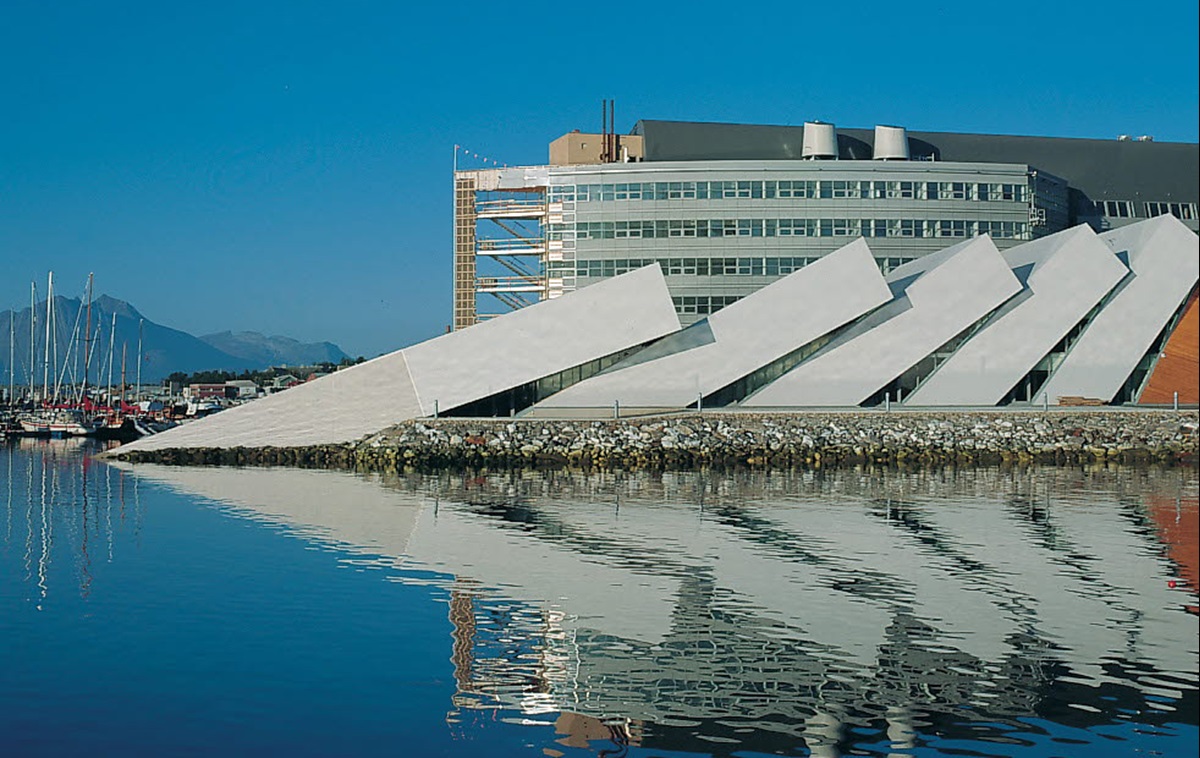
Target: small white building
(283,381)
(242,389)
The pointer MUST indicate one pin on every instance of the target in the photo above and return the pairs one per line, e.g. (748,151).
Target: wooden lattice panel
(1178,369)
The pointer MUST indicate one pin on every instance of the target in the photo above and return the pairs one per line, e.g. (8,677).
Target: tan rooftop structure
(578,148)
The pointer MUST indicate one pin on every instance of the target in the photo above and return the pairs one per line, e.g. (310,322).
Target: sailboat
(58,422)
(54,419)
(68,405)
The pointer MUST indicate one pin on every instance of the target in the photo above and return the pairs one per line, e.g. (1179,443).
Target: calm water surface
(153,610)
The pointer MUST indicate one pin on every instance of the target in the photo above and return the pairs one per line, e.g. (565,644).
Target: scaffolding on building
(503,255)
(500,246)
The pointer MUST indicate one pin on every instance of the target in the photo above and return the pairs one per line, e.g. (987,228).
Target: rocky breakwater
(739,439)
(789,440)
(712,439)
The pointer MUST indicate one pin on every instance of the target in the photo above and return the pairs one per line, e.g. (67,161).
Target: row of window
(787,227)
(1178,210)
(703,304)
(1126,209)
(759,189)
(744,266)
(1115,208)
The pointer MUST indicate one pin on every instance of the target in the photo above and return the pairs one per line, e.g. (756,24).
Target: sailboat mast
(54,342)
(32,336)
(123,346)
(49,312)
(96,337)
(112,338)
(137,392)
(87,343)
(12,354)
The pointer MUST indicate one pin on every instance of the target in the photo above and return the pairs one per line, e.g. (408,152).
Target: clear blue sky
(284,167)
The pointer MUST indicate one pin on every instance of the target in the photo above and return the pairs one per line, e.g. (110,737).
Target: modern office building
(1068,318)
(726,209)
(1072,318)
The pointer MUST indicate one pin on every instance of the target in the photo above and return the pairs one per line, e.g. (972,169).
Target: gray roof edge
(1098,168)
(639,129)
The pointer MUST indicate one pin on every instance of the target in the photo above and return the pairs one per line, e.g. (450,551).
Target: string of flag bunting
(466,153)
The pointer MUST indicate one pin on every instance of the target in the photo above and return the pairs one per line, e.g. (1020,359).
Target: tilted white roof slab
(450,370)
(1065,276)
(1164,256)
(740,338)
(935,298)
(543,339)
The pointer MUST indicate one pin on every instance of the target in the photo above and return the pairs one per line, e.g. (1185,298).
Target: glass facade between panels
(723,229)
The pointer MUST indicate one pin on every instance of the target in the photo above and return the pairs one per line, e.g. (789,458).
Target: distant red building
(204,391)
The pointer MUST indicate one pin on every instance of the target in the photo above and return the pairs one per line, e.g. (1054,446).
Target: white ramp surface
(451,370)
(740,338)
(1065,276)
(935,298)
(1164,256)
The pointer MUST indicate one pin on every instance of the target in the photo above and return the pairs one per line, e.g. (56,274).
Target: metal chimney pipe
(604,130)
(612,131)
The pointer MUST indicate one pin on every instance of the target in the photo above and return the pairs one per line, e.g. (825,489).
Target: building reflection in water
(1178,525)
(693,610)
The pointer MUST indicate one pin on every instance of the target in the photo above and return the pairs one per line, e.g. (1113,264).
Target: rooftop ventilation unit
(891,143)
(820,141)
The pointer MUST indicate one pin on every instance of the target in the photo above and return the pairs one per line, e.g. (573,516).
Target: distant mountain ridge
(164,350)
(274,350)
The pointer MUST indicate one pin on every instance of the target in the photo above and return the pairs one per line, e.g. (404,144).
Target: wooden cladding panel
(1178,369)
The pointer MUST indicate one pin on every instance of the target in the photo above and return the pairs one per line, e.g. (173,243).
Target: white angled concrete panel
(1164,256)
(451,370)
(342,406)
(740,338)
(1065,276)
(544,339)
(935,298)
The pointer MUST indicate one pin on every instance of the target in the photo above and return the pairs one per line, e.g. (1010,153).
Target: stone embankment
(718,439)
